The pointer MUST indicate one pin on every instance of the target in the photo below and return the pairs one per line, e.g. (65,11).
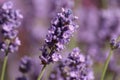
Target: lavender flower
(114,44)
(56,57)
(10,20)
(75,67)
(29,68)
(25,65)
(62,28)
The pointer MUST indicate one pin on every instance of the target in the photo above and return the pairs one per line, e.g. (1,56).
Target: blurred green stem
(42,72)
(106,64)
(4,67)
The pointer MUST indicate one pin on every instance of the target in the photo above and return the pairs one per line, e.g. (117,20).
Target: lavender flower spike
(10,20)
(24,67)
(114,43)
(75,67)
(62,28)
(25,64)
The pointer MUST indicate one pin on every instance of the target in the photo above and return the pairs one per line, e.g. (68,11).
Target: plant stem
(42,72)
(106,64)
(4,67)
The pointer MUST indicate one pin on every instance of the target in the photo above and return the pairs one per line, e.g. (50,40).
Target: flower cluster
(114,44)
(25,64)
(62,28)
(75,67)
(9,22)
(24,67)
(30,68)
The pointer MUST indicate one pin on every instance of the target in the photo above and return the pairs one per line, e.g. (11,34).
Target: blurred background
(99,21)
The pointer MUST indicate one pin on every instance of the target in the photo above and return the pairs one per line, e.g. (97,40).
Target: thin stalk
(4,67)
(106,64)
(42,72)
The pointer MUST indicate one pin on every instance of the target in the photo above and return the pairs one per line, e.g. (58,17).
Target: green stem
(4,67)
(106,64)
(42,72)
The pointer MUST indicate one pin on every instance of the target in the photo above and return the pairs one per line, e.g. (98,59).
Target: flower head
(114,44)
(75,67)
(10,20)
(25,64)
(62,28)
